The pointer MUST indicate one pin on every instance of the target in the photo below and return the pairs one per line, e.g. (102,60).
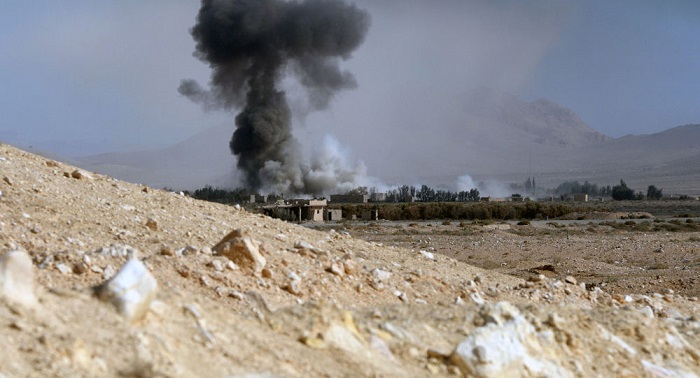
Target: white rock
(108,272)
(17,278)
(428,255)
(63,268)
(217,265)
(648,311)
(380,275)
(131,291)
(508,347)
(477,298)
(299,244)
(343,338)
(242,250)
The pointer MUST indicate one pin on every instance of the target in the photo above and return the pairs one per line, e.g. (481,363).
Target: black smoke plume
(251,45)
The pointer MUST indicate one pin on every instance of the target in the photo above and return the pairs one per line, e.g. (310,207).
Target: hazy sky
(81,77)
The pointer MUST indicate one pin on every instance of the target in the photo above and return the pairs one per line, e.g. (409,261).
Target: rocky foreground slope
(217,291)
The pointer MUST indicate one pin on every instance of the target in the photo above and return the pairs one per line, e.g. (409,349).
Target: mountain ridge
(499,137)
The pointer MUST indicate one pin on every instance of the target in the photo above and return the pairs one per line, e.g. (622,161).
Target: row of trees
(238,195)
(617,192)
(573,187)
(463,211)
(407,193)
(623,192)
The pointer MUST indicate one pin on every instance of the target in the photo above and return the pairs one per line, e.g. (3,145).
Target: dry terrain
(297,302)
(621,256)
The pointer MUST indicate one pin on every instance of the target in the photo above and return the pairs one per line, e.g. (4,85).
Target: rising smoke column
(250,46)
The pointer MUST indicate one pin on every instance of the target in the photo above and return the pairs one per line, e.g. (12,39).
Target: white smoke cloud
(465,183)
(329,169)
(487,188)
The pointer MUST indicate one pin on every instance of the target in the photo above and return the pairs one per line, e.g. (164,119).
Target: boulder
(507,346)
(17,278)
(131,290)
(240,248)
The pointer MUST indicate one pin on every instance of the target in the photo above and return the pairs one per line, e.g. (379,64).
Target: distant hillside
(497,137)
(203,159)
(540,122)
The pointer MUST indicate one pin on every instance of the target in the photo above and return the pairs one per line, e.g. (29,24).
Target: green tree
(622,192)
(654,193)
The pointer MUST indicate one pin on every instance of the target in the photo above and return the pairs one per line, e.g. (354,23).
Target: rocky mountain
(541,122)
(497,137)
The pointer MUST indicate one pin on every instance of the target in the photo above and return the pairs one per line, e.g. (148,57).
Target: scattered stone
(8,181)
(108,272)
(152,224)
(337,269)
(303,246)
(570,280)
(166,250)
(63,268)
(403,297)
(119,250)
(217,265)
(294,284)
(267,273)
(350,267)
(240,248)
(205,280)
(236,294)
(17,278)
(80,267)
(477,298)
(380,275)
(294,287)
(189,250)
(428,255)
(375,284)
(647,311)
(131,290)
(80,174)
(184,272)
(96,269)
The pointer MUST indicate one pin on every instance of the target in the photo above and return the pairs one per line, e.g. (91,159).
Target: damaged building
(298,210)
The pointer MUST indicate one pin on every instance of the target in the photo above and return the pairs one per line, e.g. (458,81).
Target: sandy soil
(613,255)
(327,303)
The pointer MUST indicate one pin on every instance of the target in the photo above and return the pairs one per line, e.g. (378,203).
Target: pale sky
(84,77)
